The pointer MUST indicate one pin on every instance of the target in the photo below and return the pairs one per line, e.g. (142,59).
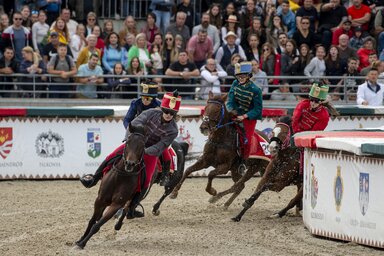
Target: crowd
(280,37)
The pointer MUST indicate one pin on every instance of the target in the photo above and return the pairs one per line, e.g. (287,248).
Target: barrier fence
(42,86)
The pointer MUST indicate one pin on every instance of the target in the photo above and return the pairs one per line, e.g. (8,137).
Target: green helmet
(319,91)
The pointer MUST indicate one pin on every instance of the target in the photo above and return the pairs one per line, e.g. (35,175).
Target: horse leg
(113,208)
(221,169)
(155,210)
(291,204)
(119,223)
(200,164)
(249,202)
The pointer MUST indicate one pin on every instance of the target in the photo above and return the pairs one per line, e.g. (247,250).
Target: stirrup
(133,213)
(88,180)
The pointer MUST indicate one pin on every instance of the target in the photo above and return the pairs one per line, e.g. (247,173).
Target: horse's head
(134,148)
(281,136)
(215,113)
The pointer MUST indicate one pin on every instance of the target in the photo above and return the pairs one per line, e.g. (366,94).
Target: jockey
(245,104)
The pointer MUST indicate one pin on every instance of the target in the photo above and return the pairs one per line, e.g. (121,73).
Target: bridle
(287,141)
(131,168)
(218,122)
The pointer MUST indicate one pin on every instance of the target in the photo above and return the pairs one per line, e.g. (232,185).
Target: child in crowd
(156,60)
(356,40)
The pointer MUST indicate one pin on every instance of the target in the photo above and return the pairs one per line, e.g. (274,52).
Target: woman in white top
(316,66)
(231,25)
(78,41)
(39,31)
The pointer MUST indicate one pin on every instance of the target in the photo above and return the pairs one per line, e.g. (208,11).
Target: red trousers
(249,127)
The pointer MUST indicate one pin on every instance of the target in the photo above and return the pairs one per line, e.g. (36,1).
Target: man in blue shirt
(90,75)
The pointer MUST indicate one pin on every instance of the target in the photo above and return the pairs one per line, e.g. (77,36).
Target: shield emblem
(6,141)
(364,192)
(94,142)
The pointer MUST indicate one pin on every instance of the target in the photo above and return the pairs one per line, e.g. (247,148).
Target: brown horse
(221,150)
(119,185)
(282,171)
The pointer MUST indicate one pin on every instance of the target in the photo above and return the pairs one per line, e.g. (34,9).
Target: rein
(286,143)
(222,112)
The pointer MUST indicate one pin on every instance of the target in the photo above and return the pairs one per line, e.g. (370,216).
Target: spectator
(119,84)
(230,9)
(170,52)
(345,52)
(281,43)
(230,69)
(275,28)
(183,69)
(140,50)
(345,28)
(135,68)
(316,66)
(90,76)
(87,51)
(179,27)
(269,12)
(16,36)
(298,67)
(32,64)
(91,22)
(231,25)
(350,84)
(52,9)
(356,41)
(288,17)
(360,15)
(334,66)
(158,39)
(156,59)
(373,63)
(215,17)
(107,29)
(128,28)
(200,48)
(34,17)
(283,93)
(64,67)
(179,42)
(379,29)
(308,10)
(268,63)
(304,35)
(128,41)
(39,32)
(50,49)
(150,29)
(78,41)
(256,29)
(113,53)
(364,52)
(8,66)
(259,77)
(163,10)
(4,23)
(288,59)
(247,15)
(211,75)
(96,30)
(25,13)
(61,29)
(332,17)
(253,51)
(186,6)
(370,93)
(213,33)
(224,53)
(71,24)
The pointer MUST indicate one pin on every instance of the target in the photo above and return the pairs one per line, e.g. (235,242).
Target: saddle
(258,148)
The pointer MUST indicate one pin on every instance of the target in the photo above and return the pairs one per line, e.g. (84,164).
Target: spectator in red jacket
(344,29)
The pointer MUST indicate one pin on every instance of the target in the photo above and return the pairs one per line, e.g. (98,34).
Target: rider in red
(245,102)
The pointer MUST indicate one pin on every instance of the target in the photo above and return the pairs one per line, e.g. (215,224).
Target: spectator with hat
(224,53)
(356,41)
(345,28)
(231,25)
(50,49)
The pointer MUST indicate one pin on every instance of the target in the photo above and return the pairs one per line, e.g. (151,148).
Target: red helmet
(171,101)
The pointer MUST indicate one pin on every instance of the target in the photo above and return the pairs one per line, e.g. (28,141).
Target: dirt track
(46,217)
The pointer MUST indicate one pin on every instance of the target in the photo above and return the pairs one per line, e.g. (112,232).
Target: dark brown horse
(220,151)
(282,171)
(119,185)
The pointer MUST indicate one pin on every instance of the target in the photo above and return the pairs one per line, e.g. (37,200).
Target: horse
(119,185)
(221,150)
(181,150)
(282,171)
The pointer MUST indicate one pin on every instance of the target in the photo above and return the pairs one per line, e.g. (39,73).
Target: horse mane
(138,129)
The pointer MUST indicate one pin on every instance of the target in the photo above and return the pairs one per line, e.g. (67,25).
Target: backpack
(67,59)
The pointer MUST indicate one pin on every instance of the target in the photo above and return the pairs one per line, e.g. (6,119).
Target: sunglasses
(169,112)
(314,100)
(147,98)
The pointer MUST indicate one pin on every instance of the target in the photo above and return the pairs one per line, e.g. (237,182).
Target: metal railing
(35,88)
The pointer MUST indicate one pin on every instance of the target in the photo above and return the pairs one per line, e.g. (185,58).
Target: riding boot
(132,212)
(165,173)
(90,180)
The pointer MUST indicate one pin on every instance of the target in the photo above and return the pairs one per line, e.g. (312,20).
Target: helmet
(319,91)
(244,67)
(171,101)
(149,89)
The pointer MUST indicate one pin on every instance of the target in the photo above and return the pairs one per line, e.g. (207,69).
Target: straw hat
(232,18)
(230,33)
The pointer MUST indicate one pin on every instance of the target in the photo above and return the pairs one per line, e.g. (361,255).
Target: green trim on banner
(69,112)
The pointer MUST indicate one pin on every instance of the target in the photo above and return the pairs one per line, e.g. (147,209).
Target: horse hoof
(173,195)
(80,245)
(156,212)
(274,216)
(118,226)
(236,219)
